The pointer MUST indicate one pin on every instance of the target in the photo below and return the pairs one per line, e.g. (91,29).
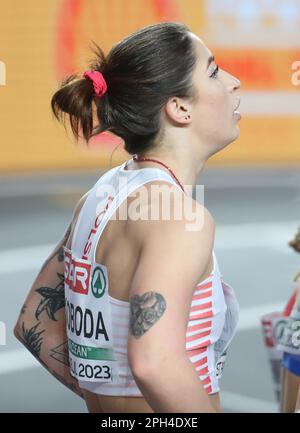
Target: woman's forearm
(50,351)
(41,323)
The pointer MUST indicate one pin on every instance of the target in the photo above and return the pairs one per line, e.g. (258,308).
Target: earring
(188,116)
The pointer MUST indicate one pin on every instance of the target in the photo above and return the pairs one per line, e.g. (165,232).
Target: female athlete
(130,310)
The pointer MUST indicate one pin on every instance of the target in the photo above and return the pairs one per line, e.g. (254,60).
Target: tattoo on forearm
(52,299)
(32,339)
(145,311)
(60,353)
(59,252)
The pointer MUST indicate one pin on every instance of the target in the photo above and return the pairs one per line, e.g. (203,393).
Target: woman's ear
(178,110)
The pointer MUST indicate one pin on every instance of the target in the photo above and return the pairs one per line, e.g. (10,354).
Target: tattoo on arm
(145,311)
(52,299)
(59,252)
(60,353)
(32,339)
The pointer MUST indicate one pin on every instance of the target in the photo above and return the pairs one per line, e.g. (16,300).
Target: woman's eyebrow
(210,59)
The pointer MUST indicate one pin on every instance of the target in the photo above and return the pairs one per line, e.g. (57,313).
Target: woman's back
(119,249)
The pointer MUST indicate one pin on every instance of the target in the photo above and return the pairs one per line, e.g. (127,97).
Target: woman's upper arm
(171,262)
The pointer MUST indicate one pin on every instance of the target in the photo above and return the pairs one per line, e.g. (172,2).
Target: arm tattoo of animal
(145,311)
(59,251)
(52,299)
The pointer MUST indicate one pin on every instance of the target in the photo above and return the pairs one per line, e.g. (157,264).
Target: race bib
(88,321)
(288,340)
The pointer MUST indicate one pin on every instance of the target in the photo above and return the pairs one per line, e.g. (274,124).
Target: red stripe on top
(196,351)
(200,362)
(206,381)
(202,315)
(204,344)
(199,326)
(201,306)
(203,371)
(204,286)
(197,336)
(202,296)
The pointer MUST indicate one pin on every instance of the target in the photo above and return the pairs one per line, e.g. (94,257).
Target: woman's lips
(237,115)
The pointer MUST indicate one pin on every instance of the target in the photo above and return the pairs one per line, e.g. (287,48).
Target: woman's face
(213,118)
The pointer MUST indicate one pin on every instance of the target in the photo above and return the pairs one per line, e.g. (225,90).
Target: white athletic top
(97,324)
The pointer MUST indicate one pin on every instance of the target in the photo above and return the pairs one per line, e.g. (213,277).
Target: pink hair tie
(98,80)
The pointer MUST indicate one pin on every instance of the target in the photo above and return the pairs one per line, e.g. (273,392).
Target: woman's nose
(236,83)
(232,82)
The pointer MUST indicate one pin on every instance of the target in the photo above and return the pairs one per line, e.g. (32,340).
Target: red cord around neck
(135,158)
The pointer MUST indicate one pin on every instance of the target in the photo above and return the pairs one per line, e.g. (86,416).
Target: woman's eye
(215,73)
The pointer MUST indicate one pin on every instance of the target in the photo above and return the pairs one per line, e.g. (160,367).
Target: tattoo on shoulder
(52,299)
(145,311)
(23,308)
(32,339)
(60,353)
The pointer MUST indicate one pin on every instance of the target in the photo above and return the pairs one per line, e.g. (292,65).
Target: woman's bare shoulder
(162,206)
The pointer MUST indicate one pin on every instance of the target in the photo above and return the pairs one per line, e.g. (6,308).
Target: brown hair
(142,72)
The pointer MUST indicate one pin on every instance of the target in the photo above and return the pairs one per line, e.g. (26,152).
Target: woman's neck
(185,170)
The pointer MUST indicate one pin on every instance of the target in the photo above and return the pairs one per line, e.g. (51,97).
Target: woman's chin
(236,133)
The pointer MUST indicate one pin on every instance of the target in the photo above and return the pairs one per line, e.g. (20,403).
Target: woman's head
(212,121)
(142,72)
(158,91)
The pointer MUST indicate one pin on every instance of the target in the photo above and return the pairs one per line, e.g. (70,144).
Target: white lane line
(239,236)
(242,403)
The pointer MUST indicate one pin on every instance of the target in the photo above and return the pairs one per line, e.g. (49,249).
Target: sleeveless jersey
(98,324)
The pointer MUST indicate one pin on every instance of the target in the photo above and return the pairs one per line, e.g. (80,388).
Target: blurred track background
(251,188)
